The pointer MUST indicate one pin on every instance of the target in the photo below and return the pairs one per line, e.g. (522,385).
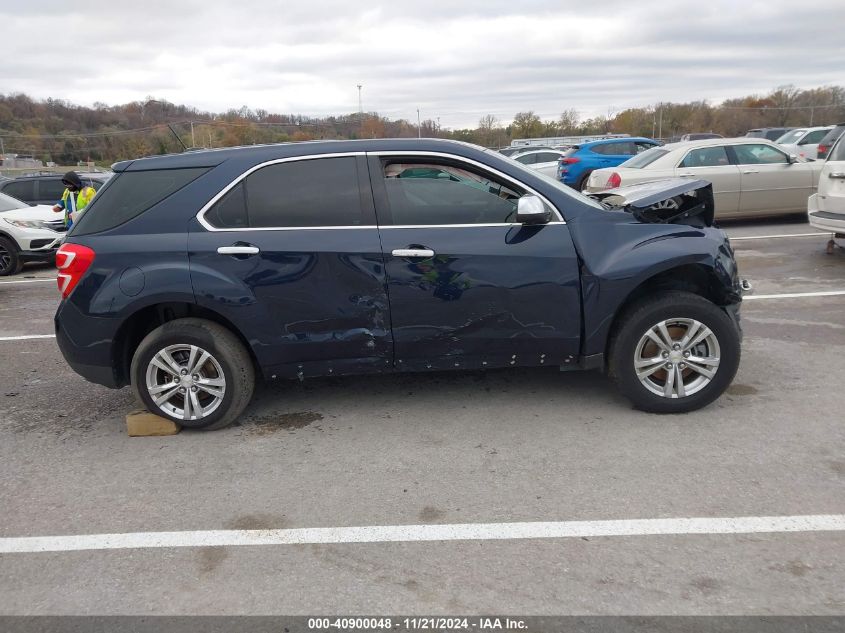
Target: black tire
(226,350)
(10,261)
(646,313)
(582,181)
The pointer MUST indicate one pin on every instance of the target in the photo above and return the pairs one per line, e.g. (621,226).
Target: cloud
(453,60)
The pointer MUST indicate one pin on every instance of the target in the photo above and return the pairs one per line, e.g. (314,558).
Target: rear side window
(706,157)
(305,193)
(838,152)
(130,194)
(22,190)
(814,137)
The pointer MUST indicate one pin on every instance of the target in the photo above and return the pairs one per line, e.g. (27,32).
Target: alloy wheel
(677,358)
(185,381)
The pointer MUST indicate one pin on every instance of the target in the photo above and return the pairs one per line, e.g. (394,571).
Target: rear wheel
(194,372)
(582,181)
(674,353)
(10,261)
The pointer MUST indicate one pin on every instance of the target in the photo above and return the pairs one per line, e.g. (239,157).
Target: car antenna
(184,147)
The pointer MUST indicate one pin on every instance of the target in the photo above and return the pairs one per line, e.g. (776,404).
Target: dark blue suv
(579,161)
(191,275)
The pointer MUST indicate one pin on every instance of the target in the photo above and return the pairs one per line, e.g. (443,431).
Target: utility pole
(360,111)
(193,140)
(419,126)
(660,124)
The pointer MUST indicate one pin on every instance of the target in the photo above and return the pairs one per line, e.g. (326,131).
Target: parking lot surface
(442,449)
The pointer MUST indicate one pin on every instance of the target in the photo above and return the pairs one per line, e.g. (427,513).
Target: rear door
(714,165)
(769,182)
(468,286)
(290,253)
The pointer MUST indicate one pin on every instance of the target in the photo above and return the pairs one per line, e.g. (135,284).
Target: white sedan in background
(804,141)
(751,177)
(543,160)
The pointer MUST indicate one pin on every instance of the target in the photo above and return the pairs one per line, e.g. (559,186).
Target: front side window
(305,193)
(758,155)
(438,194)
(706,157)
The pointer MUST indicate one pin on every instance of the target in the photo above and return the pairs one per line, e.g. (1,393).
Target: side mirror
(531,210)
(793,158)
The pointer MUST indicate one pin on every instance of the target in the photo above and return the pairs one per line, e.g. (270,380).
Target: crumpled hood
(673,200)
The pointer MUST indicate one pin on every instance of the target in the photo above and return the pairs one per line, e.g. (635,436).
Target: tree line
(62,132)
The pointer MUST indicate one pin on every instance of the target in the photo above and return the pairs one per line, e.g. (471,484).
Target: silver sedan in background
(751,176)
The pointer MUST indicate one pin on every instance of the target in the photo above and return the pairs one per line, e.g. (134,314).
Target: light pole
(419,126)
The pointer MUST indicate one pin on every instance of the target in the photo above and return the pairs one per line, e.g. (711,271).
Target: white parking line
(421,533)
(795,295)
(29,281)
(772,237)
(23,338)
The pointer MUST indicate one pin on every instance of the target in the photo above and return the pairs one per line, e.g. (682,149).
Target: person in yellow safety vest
(74,199)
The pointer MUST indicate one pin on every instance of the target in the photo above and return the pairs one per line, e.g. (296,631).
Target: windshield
(7,203)
(791,138)
(646,158)
(557,184)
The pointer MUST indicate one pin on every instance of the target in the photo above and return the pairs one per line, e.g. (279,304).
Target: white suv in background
(804,141)
(826,207)
(27,234)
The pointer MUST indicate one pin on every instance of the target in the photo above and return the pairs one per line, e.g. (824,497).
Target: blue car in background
(581,160)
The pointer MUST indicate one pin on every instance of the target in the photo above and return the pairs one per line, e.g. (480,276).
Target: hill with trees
(55,130)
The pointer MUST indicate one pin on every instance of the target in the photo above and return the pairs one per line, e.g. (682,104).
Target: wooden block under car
(143,423)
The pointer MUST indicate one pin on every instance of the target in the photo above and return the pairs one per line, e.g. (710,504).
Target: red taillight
(569,160)
(614,181)
(822,149)
(72,260)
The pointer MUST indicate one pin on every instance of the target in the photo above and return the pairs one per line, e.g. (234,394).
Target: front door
(770,183)
(468,287)
(291,255)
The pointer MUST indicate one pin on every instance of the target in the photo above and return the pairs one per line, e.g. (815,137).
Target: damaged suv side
(349,257)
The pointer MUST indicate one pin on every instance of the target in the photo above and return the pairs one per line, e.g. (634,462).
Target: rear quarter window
(129,194)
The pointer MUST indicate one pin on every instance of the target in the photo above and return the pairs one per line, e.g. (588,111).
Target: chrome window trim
(482,166)
(208,227)
(425,154)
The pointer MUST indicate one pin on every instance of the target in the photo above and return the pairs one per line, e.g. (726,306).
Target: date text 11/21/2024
(421,623)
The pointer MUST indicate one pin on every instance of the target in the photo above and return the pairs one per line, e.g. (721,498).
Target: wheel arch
(695,278)
(143,321)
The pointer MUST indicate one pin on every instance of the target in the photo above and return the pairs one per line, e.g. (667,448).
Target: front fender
(621,255)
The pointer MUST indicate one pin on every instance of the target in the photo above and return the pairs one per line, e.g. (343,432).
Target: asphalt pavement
(486,448)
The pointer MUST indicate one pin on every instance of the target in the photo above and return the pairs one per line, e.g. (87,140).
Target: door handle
(686,175)
(238,250)
(836,174)
(751,171)
(413,252)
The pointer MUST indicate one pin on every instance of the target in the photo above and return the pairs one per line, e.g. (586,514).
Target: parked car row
(750,176)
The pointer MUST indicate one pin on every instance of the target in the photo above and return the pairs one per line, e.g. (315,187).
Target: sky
(454,60)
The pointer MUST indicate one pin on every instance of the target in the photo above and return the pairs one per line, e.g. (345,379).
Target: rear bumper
(87,346)
(824,220)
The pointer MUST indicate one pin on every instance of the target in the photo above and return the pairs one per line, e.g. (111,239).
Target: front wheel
(194,372)
(10,261)
(674,353)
